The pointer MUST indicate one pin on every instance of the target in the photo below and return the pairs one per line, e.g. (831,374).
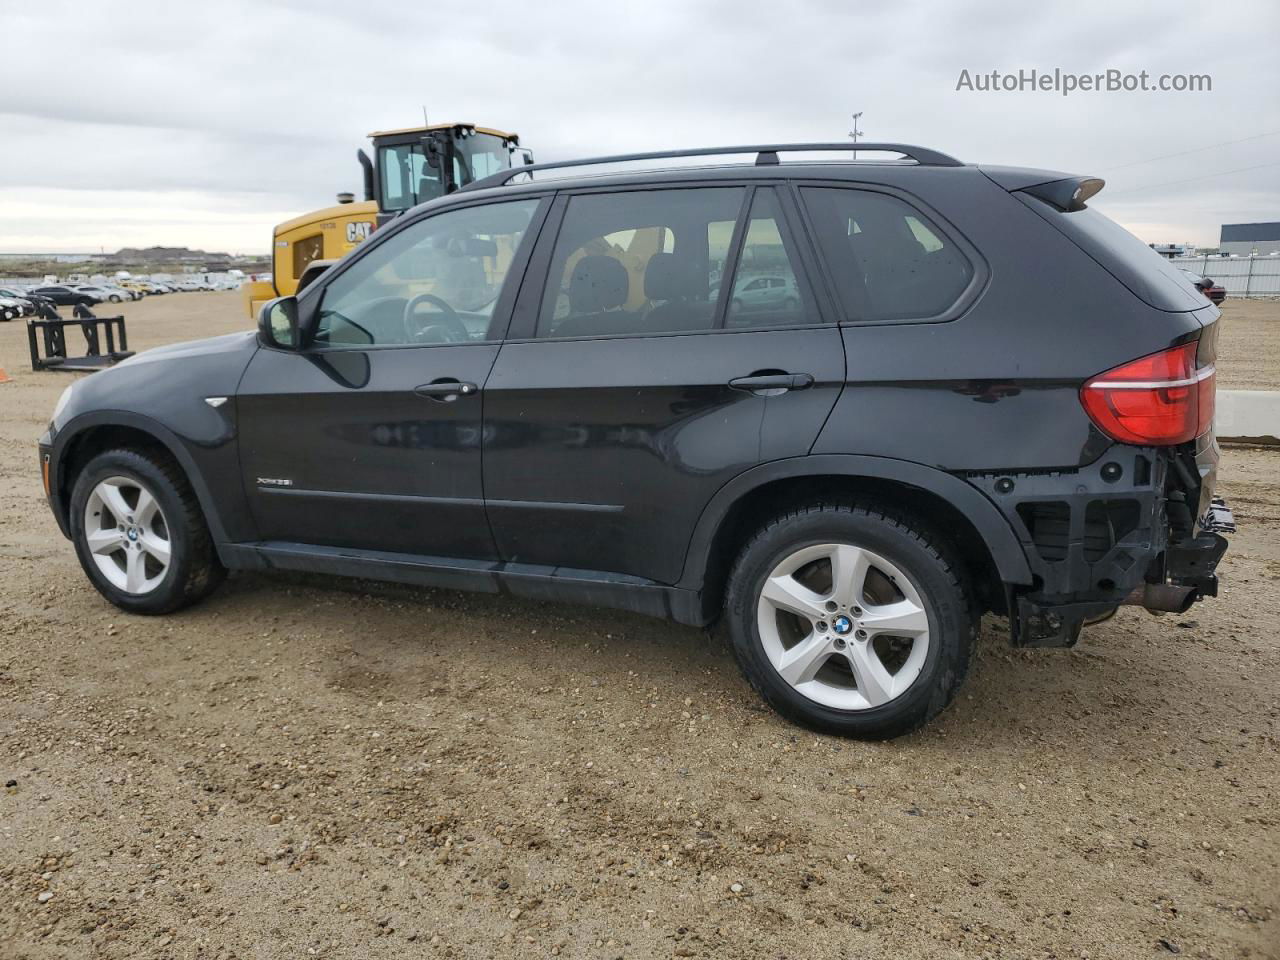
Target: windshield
(408,179)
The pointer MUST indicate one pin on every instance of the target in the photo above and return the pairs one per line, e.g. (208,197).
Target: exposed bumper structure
(1137,526)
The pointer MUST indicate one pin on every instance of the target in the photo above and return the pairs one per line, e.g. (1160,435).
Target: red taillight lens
(1157,400)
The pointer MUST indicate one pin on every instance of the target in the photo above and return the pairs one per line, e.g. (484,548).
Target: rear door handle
(446,390)
(772,384)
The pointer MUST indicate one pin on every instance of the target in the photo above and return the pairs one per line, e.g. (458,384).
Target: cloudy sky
(135,123)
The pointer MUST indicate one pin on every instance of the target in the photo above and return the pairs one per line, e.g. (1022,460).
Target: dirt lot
(305,767)
(1249,345)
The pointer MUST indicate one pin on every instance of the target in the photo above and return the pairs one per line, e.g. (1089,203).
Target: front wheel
(115,298)
(851,620)
(140,534)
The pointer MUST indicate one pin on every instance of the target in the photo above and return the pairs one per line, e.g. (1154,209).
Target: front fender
(207,455)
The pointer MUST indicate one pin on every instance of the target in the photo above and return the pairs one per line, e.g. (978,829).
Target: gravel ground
(1249,345)
(309,767)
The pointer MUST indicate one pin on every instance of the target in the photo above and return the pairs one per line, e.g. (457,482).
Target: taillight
(1157,400)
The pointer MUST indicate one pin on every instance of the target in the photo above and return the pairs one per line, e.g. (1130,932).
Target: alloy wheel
(843,626)
(127,535)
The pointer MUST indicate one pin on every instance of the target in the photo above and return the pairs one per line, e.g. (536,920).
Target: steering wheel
(415,328)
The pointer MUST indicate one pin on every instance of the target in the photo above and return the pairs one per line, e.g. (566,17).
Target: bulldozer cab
(408,167)
(420,164)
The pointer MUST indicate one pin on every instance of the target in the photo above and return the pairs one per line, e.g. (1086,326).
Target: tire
(115,298)
(919,672)
(192,571)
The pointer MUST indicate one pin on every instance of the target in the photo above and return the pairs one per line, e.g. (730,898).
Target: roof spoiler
(1069,194)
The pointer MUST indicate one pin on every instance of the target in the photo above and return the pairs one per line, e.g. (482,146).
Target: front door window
(434,282)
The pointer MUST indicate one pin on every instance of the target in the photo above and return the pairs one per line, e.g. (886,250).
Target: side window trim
(807,252)
(524,315)
(964,300)
(734,255)
(504,309)
(499,322)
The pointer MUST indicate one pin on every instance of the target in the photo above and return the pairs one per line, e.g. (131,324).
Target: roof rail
(766,155)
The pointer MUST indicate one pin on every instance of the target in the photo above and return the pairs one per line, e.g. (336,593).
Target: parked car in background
(145,287)
(12,308)
(765,293)
(29,301)
(98,293)
(65,296)
(1213,291)
(105,294)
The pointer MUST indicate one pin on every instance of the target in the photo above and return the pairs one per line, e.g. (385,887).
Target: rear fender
(1006,552)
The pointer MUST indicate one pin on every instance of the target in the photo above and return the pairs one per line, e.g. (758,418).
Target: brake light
(1158,400)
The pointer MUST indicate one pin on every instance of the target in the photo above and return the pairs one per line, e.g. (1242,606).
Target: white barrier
(1248,416)
(1241,276)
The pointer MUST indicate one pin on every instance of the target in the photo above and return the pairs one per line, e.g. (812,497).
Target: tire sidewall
(949,621)
(134,467)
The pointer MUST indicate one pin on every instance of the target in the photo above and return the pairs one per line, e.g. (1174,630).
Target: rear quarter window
(887,259)
(1149,276)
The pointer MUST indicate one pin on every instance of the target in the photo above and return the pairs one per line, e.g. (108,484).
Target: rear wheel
(140,535)
(850,620)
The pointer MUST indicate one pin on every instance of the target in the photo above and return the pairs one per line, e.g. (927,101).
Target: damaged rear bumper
(1139,525)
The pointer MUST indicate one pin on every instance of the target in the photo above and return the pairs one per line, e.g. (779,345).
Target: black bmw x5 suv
(845,407)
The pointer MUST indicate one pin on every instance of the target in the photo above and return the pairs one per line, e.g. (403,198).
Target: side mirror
(278,323)
(432,152)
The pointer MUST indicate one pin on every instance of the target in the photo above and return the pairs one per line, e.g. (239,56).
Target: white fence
(1241,276)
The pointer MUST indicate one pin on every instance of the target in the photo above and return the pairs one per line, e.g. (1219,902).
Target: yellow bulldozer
(408,167)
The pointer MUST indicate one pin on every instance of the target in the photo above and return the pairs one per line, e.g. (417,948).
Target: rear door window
(887,259)
(639,262)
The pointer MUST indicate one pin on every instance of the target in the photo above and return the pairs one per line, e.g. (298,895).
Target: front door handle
(772,384)
(446,390)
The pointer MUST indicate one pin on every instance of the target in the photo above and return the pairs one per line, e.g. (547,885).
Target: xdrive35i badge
(274,482)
